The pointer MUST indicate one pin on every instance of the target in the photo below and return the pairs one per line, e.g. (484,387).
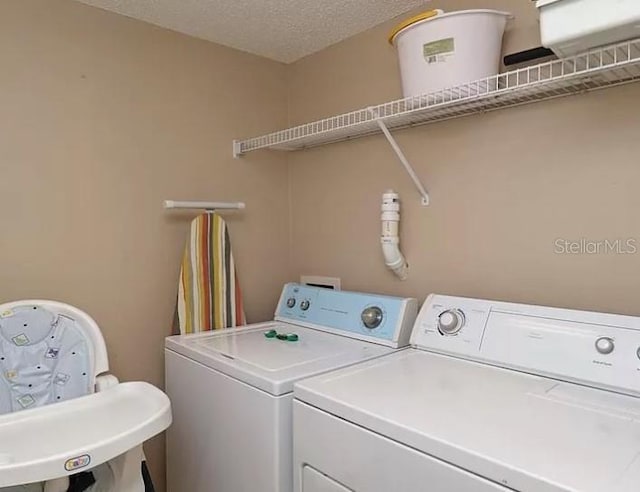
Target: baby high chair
(61,413)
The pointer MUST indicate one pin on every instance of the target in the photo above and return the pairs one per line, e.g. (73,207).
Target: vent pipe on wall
(393,258)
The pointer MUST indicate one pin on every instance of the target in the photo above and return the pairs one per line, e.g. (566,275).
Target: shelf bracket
(403,159)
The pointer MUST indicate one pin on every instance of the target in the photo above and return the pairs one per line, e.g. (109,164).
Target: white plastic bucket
(438,50)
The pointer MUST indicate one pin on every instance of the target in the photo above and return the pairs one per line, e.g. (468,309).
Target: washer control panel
(597,349)
(383,319)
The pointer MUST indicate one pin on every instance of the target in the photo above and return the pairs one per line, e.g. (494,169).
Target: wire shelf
(596,69)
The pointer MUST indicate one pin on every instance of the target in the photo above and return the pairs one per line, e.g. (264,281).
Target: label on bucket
(439,51)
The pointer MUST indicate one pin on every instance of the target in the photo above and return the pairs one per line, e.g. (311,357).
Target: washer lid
(271,364)
(523,431)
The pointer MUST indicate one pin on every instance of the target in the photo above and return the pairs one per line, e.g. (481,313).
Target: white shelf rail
(206,206)
(597,69)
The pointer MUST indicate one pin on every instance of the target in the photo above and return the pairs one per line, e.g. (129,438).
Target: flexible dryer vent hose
(393,258)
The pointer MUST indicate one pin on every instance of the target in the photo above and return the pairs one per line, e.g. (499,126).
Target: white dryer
(232,390)
(492,397)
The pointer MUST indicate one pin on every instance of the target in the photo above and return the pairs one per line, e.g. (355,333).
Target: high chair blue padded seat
(61,412)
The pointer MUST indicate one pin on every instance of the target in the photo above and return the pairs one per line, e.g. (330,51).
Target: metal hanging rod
(208,206)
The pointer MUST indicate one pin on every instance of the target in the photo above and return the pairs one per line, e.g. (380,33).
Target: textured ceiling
(283,30)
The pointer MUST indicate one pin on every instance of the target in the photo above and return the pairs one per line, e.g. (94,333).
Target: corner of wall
(288,76)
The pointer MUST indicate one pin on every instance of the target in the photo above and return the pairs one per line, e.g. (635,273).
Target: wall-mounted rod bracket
(237,149)
(403,159)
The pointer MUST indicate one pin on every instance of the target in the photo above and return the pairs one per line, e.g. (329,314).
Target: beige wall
(104,117)
(503,185)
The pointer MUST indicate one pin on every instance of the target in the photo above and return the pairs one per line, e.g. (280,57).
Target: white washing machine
(492,397)
(231,390)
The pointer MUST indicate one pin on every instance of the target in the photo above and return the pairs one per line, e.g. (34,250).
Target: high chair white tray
(76,435)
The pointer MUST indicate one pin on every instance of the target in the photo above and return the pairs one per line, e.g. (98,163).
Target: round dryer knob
(291,302)
(605,345)
(450,321)
(372,317)
(304,305)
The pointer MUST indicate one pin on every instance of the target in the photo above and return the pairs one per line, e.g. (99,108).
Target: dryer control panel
(382,319)
(601,350)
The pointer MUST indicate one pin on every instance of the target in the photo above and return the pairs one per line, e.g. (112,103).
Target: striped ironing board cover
(209,296)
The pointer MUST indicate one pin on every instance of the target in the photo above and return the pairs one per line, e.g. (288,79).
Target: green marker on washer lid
(292,337)
(270,333)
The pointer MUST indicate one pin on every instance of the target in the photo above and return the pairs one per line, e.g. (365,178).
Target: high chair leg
(122,474)
(57,485)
